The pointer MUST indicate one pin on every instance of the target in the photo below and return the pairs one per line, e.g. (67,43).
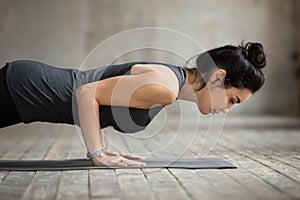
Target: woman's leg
(8,112)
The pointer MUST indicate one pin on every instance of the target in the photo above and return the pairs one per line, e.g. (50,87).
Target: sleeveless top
(45,93)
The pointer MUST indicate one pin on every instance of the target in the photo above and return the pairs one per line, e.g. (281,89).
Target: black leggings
(8,111)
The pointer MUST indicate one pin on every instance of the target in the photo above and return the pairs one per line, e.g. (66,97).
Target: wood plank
(42,146)
(135,144)
(3,174)
(9,138)
(20,141)
(276,165)
(159,146)
(134,185)
(76,148)
(168,184)
(162,182)
(174,148)
(15,184)
(287,158)
(74,183)
(296,156)
(259,156)
(220,185)
(270,176)
(253,183)
(271,139)
(43,186)
(60,147)
(45,183)
(250,177)
(132,178)
(195,186)
(242,176)
(20,180)
(164,185)
(223,184)
(114,140)
(104,184)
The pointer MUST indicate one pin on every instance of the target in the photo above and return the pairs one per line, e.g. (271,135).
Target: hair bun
(254,52)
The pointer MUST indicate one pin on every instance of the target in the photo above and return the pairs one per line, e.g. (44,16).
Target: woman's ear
(218,76)
(221,74)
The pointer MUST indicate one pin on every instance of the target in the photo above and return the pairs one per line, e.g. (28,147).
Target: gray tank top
(45,93)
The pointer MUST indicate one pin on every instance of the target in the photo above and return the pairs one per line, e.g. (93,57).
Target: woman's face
(214,99)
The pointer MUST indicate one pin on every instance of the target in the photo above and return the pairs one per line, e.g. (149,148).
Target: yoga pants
(8,111)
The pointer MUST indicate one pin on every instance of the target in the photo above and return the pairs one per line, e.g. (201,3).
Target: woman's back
(46,93)
(41,92)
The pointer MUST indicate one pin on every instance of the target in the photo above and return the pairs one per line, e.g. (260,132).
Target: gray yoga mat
(82,164)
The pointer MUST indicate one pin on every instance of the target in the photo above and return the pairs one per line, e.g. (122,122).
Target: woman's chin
(204,112)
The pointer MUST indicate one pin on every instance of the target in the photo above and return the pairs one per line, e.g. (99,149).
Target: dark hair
(242,64)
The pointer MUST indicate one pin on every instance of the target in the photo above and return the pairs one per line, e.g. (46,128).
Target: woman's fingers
(133,162)
(118,161)
(108,161)
(131,156)
(126,155)
(130,162)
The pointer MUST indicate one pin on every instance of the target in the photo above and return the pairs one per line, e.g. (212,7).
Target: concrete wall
(63,32)
(296,53)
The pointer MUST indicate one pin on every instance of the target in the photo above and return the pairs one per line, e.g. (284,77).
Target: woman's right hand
(116,160)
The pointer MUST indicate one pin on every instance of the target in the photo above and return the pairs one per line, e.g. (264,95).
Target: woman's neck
(191,85)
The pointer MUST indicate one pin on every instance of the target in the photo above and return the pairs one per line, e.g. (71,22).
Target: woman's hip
(8,111)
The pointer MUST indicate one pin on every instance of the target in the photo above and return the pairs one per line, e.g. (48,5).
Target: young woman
(126,96)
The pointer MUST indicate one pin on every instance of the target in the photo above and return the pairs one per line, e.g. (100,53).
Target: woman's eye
(231,101)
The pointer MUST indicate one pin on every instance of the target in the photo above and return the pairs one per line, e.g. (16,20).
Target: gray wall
(63,32)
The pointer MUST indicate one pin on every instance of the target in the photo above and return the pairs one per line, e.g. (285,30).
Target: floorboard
(267,159)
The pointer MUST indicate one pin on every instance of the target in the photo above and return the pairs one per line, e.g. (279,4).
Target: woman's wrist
(96,146)
(99,152)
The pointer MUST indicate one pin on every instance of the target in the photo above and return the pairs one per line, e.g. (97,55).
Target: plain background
(62,33)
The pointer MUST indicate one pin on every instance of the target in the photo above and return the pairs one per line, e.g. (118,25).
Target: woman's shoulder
(160,72)
(172,73)
(144,66)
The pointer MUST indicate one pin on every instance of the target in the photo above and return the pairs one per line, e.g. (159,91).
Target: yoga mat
(83,164)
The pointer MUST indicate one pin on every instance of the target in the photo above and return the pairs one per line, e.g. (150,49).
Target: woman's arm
(88,113)
(139,90)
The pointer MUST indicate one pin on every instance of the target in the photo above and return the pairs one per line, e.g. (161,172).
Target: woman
(126,96)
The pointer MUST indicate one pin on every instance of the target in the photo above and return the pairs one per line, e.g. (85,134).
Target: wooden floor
(266,149)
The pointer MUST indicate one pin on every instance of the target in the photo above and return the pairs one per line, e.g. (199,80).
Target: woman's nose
(226,110)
